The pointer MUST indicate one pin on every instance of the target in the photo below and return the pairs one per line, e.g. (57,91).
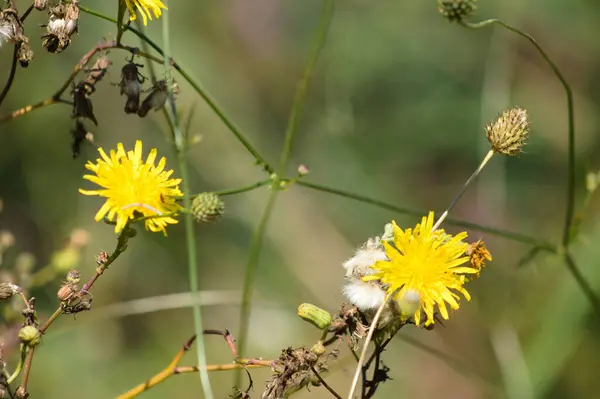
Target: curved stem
(11,74)
(571,119)
(363,354)
(452,221)
(588,291)
(15,374)
(243,189)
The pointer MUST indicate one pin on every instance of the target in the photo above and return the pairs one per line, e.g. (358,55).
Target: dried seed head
(456,10)
(316,316)
(509,132)
(62,24)
(207,207)
(30,336)
(9,26)
(7,290)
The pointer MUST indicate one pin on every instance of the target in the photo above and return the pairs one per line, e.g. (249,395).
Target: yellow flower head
(133,188)
(427,263)
(145,7)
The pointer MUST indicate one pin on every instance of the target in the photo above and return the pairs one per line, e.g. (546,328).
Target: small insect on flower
(425,264)
(134,188)
(146,8)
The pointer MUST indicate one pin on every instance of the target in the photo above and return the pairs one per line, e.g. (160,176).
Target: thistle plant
(412,276)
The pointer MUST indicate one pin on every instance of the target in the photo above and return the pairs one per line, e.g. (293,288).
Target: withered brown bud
(102,258)
(98,70)
(7,290)
(82,105)
(155,99)
(10,26)
(131,86)
(61,26)
(21,393)
(66,292)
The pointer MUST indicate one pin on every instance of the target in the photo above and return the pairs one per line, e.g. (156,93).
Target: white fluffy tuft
(364,295)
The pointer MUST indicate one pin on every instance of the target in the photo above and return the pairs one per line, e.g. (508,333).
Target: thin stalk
(292,127)
(365,349)
(486,159)
(522,238)
(588,291)
(243,189)
(571,119)
(190,238)
(17,371)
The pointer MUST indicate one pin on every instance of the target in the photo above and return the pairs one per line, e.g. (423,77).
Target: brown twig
(174,369)
(322,381)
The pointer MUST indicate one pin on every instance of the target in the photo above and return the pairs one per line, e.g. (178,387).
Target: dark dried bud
(7,290)
(131,86)
(30,336)
(82,105)
(156,98)
(61,26)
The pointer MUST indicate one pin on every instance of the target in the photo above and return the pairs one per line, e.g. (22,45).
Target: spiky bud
(30,336)
(509,132)
(207,207)
(318,348)
(316,316)
(456,10)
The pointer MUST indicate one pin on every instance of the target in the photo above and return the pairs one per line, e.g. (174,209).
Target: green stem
(571,119)
(302,85)
(119,21)
(192,255)
(17,371)
(198,88)
(582,282)
(295,113)
(243,189)
(452,221)
(251,267)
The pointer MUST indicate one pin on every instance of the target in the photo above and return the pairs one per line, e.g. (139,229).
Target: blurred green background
(395,111)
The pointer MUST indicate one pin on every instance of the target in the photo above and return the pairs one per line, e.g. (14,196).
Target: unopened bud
(7,290)
(409,303)
(508,133)
(66,292)
(318,348)
(73,276)
(303,170)
(456,10)
(30,336)
(316,316)
(207,207)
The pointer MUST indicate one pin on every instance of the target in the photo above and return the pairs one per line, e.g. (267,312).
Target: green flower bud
(456,10)
(30,336)
(318,317)
(318,348)
(207,207)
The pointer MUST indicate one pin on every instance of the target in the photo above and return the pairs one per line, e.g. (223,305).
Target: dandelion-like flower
(146,9)
(427,263)
(134,188)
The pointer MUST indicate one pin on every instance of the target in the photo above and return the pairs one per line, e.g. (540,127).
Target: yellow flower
(427,263)
(134,188)
(144,7)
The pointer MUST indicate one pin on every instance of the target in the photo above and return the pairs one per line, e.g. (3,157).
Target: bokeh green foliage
(396,110)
